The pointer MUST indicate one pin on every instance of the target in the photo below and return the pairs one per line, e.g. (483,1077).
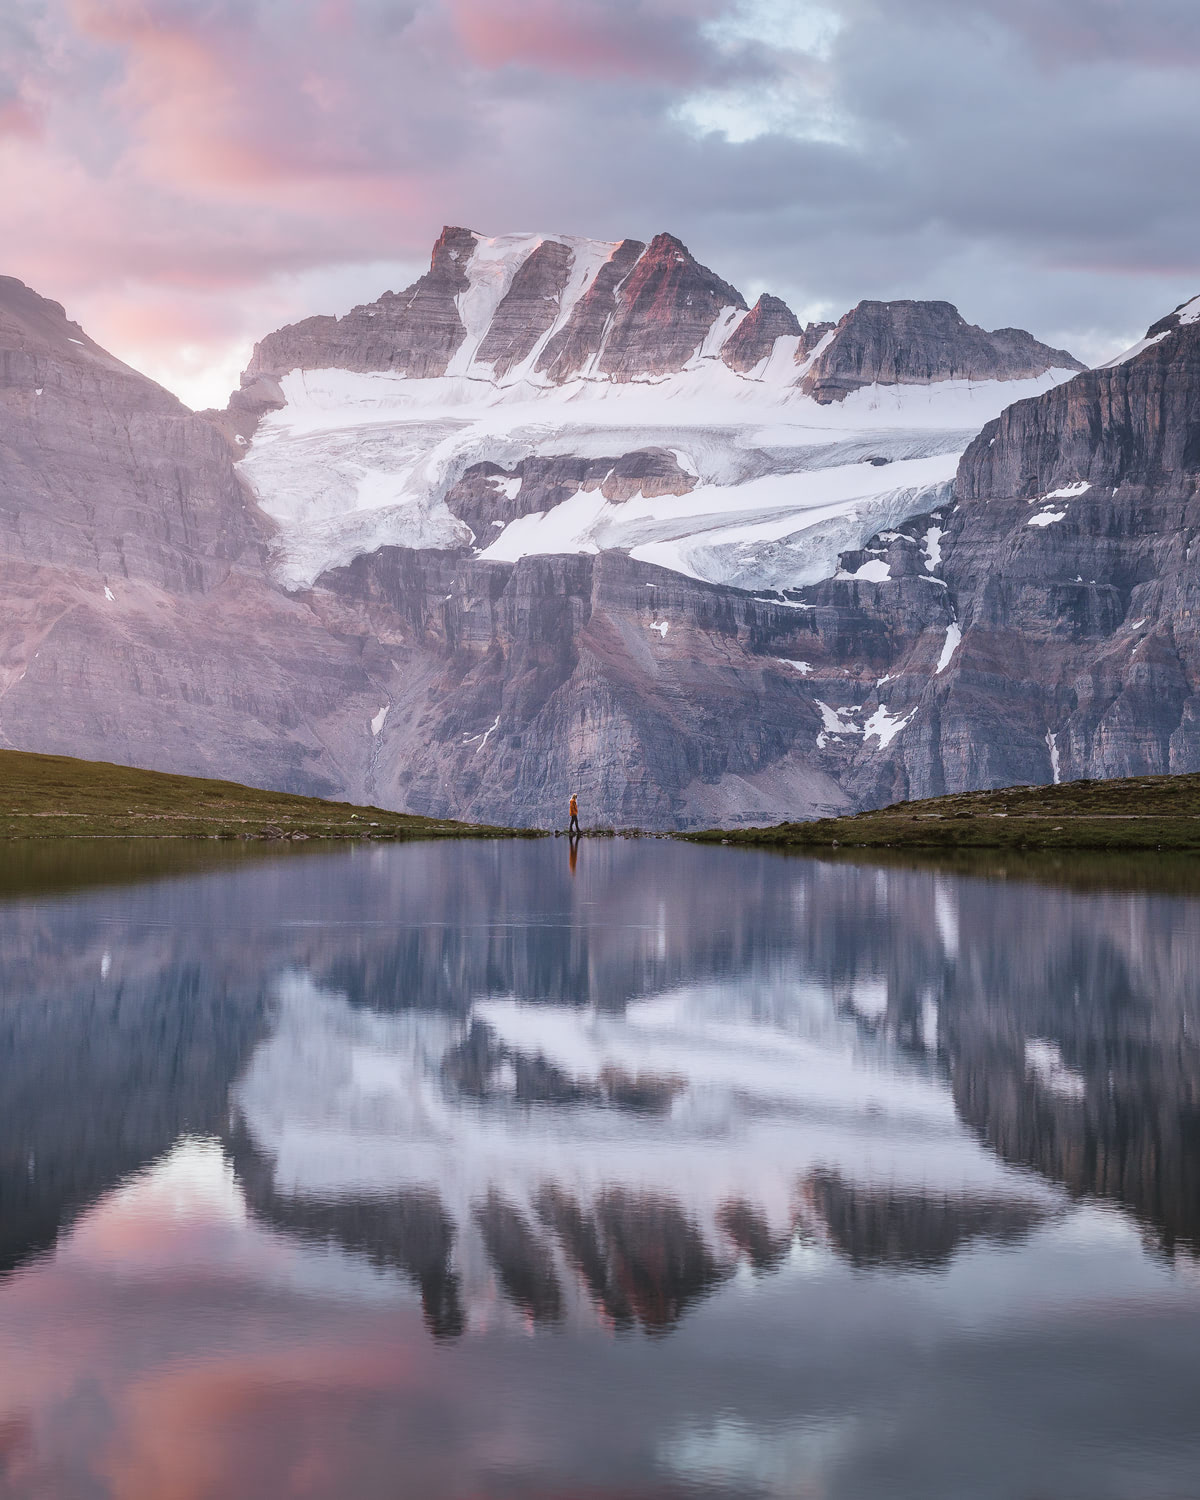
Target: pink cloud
(20,119)
(196,156)
(586,38)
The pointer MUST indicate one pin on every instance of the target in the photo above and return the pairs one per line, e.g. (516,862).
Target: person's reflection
(574,842)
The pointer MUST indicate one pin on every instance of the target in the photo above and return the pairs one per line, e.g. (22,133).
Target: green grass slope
(55,797)
(1143,812)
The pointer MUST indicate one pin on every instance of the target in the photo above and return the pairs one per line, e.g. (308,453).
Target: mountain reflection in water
(795,1120)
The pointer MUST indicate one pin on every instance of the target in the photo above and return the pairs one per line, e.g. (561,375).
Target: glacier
(357,461)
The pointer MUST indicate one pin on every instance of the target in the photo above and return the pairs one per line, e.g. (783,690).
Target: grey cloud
(1030,160)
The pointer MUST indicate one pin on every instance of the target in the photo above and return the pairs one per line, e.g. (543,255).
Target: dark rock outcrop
(488,497)
(754,338)
(665,307)
(528,309)
(810,336)
(578,342)
(918,342)
(414,332)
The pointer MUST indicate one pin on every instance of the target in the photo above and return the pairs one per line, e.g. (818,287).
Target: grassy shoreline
(1149,813)
(57,797)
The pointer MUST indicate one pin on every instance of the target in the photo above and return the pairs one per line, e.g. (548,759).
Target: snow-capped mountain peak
(789,444)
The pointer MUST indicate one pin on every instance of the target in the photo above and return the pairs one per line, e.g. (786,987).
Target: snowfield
(358,461)
(355,462)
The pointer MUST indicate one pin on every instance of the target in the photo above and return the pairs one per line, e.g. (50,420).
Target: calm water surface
(450,1171)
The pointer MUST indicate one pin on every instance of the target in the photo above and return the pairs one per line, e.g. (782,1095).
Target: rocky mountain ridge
(558,308)
(916,343)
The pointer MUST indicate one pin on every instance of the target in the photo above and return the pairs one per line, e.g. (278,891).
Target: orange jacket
(574,808)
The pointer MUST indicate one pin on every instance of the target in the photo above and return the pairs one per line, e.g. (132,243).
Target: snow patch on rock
(874,570)
(1055,766)
(885,725)
(837,720)
(1134,350)
(949,647)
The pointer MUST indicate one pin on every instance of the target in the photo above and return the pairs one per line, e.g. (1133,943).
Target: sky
(187,175)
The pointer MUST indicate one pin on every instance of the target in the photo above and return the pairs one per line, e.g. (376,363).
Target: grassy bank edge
(1144,813)
(52,797)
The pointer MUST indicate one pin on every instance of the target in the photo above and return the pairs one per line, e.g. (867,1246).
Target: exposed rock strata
(555,674)
(528,309)
(754,338)
(101,469)
(1069,557)
(909,343)
(664,310)
(579,341)
(413,333)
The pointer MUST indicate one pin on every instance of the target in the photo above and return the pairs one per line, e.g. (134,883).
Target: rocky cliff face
(103,470)
(624,311)
(415,332)
(907,343)
(1068,559)
(1060,603)
(665,310)
(139,624)
(650,695)
(753,340)
(576,343)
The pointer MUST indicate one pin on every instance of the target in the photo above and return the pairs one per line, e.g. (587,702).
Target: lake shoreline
(1145,813)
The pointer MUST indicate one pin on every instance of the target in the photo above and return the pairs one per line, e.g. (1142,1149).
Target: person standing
(573,830)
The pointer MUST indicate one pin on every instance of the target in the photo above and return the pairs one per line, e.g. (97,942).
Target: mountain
(510,401)
(104,471)
(1067,558)
(566,515)
(139,624)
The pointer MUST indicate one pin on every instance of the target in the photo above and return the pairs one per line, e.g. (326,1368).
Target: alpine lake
(640,1169)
